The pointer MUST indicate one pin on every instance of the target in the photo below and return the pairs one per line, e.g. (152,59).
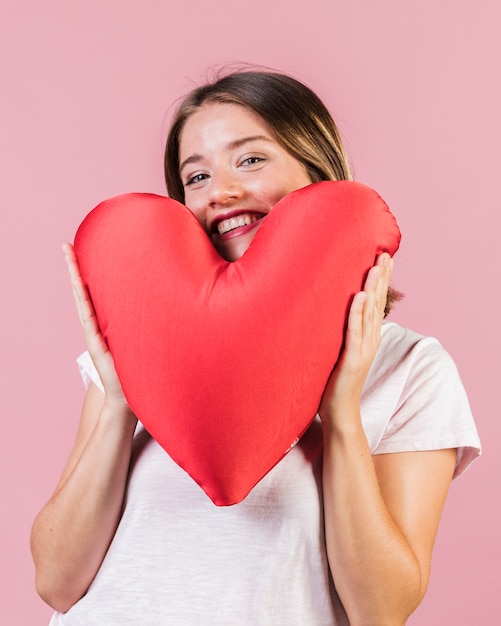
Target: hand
(94,340)
(363,336)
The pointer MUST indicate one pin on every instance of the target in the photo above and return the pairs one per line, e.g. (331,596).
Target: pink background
(85,93)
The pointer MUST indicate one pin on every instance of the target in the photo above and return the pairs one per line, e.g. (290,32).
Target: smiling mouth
(238,221)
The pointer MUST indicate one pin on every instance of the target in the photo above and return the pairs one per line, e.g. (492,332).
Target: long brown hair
(300,120)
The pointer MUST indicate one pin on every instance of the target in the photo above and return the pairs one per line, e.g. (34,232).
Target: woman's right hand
(94,340)
(73,531)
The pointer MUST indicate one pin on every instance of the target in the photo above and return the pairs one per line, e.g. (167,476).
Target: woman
(341,531)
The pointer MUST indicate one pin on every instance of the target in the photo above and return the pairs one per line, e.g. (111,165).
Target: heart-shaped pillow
(225,363)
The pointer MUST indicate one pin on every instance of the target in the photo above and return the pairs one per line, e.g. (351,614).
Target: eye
(252,160)
(196,178)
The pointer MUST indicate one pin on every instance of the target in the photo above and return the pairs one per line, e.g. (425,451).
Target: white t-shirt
(177,559)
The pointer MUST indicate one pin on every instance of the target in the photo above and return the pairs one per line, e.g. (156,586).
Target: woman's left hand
(381,511)
(363,335)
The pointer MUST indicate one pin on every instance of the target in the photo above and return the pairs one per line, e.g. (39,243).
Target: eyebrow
(195,158)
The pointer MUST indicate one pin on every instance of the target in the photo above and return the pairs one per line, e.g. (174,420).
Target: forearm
(72,533)
(375,571)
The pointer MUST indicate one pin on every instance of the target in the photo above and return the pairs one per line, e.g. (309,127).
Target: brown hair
(299,119)
(301,123)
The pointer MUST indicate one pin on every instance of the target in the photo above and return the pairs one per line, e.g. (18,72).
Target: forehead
(219,123)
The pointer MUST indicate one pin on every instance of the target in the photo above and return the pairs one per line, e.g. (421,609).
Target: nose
(225,187)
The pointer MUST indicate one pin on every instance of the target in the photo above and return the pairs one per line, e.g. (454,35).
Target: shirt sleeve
(88,371)
(432,411)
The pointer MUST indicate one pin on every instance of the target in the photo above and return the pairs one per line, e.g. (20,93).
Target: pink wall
(85,89)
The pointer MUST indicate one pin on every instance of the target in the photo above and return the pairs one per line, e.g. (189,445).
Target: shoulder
(414,398)
(405,356)
(403,342)
(411,355)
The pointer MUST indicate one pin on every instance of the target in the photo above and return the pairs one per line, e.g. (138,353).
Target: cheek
(271,192)
(293,178)
(195,208)
(279,191)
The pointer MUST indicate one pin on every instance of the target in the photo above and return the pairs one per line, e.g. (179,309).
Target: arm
(73,531)
(381,512)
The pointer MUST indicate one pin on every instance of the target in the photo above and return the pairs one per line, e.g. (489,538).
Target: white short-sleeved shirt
(177,559)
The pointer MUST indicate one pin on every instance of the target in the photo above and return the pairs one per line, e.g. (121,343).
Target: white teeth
(236,222)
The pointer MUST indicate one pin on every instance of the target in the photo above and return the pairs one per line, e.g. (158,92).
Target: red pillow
(225,363)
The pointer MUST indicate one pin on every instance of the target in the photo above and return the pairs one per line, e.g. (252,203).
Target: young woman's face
(234,172)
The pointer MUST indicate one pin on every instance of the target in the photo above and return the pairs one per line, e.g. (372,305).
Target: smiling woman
(234,171)
(341,530)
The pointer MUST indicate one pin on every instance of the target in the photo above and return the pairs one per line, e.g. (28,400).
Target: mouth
(236,224)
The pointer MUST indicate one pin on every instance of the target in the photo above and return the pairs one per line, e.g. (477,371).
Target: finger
(85,308)
(355,317)
(381,274)
(71,261)
(373,287)
(382,259)
(385,261)
(376,288)
(354,327)
(94,340)
(79,292)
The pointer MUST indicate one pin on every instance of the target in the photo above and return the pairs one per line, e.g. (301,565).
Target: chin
(235,248)
(231,255)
